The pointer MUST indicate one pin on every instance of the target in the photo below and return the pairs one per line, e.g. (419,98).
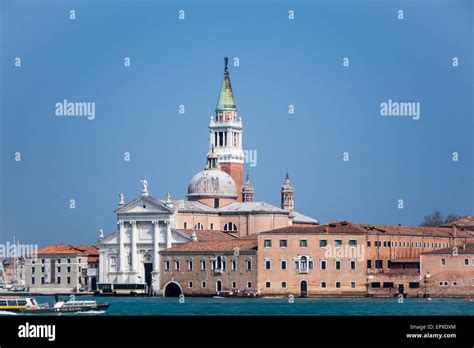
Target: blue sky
(282,62)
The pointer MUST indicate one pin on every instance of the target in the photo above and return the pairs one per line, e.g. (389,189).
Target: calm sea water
(278,306)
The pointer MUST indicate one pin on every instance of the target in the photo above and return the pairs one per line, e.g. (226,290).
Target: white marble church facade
(129,259)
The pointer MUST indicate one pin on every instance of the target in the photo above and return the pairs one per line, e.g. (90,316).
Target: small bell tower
(247,191)
(287,195)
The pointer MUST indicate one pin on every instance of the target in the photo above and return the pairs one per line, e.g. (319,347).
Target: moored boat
(71,306)
(17,303)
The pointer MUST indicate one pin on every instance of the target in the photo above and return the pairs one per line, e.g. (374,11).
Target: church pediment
(145,204)
(110,239)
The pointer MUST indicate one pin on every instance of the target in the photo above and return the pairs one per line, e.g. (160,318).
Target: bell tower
(226,133)
(287,202)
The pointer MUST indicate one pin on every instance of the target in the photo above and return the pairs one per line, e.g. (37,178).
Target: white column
(156,246)
(121,255)
(168,234)
(102,266)
(133,249)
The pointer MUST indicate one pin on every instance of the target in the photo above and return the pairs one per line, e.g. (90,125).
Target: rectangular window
(234,285)
(42,280)
(379,264)
(42,269)
(466,262)
(185,226)
(353,285)
(338,284)
(368,244)
(249,285)
(323,264)
(375,285)
(443,262)
(353,243)
(323,243)
(190,284)
(283,285)
(369,264)
(283,264)
(190,265)
(68,260)
(249,265)
(267,243)
(203,265)
(69,280)
(59,280)
(338,264)
(389,263)
(338,243)
(32,270)
(388,285)
(59,269)
(323,284)
(32,280)
(303,243)
(234,265)
(353,264)
(203,285)
(69,269)
(283,243)
(268,264)
(212,226)
(177,265)
(167,265)
(413,285)
(268,285)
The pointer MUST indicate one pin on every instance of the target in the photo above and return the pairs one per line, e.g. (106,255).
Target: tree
(452,217)
(433,220)
(436,219)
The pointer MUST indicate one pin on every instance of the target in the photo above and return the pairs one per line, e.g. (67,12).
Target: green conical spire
(226,98)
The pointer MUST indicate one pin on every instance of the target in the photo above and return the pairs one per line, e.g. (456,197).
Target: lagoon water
(203,306)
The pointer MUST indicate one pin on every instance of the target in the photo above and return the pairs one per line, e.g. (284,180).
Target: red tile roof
(209,235)
(418,231)
(333,227)
(213,246)
(467,221)
(461,250)
(353,228)
(69,249)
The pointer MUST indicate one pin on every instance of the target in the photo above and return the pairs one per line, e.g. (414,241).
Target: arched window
(230,227)
(113,263)
(190,265)
(304,262)
(199,226)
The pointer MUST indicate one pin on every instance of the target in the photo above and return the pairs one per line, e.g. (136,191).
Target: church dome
(212,183)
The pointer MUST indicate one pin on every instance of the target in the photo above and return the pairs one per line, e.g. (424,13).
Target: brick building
(210,267)
(448,272)
(335,259)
